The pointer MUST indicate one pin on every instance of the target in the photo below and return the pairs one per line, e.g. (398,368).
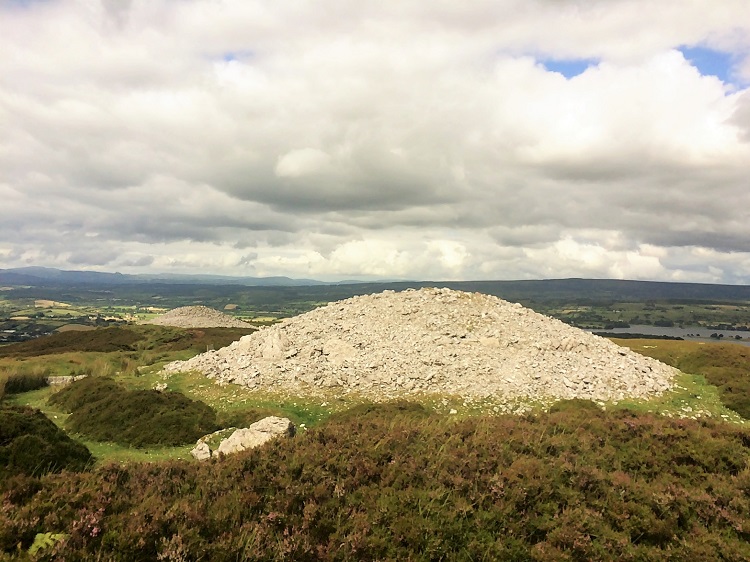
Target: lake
(693,333)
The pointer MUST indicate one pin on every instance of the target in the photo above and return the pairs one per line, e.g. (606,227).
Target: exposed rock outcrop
(241,439)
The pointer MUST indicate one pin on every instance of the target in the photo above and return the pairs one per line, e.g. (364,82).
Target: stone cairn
(197,317)
(432,341)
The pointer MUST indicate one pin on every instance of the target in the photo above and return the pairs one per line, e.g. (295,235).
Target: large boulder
(245,438)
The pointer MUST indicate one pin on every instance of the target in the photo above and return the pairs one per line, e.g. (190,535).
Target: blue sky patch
(569,68)
(710,62)
(230,56)
(18,3)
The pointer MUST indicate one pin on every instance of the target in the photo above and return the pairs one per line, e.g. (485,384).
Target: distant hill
(47,276)
(550,290)
(37,275)
(579,290)
(607,289)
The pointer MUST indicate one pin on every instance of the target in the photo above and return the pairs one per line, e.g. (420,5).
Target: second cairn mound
(198,317)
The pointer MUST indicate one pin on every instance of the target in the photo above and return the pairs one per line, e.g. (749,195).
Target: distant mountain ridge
(555,289)
(45,276)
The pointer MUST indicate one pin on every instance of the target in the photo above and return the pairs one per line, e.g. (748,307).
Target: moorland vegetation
(398,482)
(31,444)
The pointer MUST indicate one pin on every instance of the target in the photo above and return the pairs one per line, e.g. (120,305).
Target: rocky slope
(442,341)
(198,317)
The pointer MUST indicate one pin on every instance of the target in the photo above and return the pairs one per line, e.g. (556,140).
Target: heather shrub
(396,409)
(396,483)
(31,444)
(17,383)
(81,392)
(103,410)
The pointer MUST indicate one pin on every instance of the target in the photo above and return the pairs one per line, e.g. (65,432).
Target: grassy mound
(31,444)
(85,391)
(103,410)
(399,483)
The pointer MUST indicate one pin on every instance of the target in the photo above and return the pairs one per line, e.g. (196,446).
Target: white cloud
(302,162)
(397,139)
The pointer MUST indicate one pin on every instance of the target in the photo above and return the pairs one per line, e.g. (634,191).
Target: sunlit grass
(112,452)
(690,397)
(717,373)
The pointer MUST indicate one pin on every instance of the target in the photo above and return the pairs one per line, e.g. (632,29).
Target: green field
(596,304)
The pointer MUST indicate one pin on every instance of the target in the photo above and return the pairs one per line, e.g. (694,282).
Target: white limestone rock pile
(244,438)
(198,317)
(389,345)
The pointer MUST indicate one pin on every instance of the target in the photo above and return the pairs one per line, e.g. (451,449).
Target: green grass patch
(690,397)
(108,452)
(235,403)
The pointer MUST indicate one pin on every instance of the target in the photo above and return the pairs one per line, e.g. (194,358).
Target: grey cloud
(279,239)
(244,243)
(248,259)
(117,10)
(524,236)
(89,258)
(738,241)
(143,261)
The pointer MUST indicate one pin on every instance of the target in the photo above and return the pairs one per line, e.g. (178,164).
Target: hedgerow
(103,410)
(398,483)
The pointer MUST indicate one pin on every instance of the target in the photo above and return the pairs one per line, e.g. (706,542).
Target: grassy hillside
(125,350)
(137,369)
(725,366)
(103,410)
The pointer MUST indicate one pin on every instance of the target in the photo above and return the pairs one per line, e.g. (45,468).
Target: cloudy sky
(337,139)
